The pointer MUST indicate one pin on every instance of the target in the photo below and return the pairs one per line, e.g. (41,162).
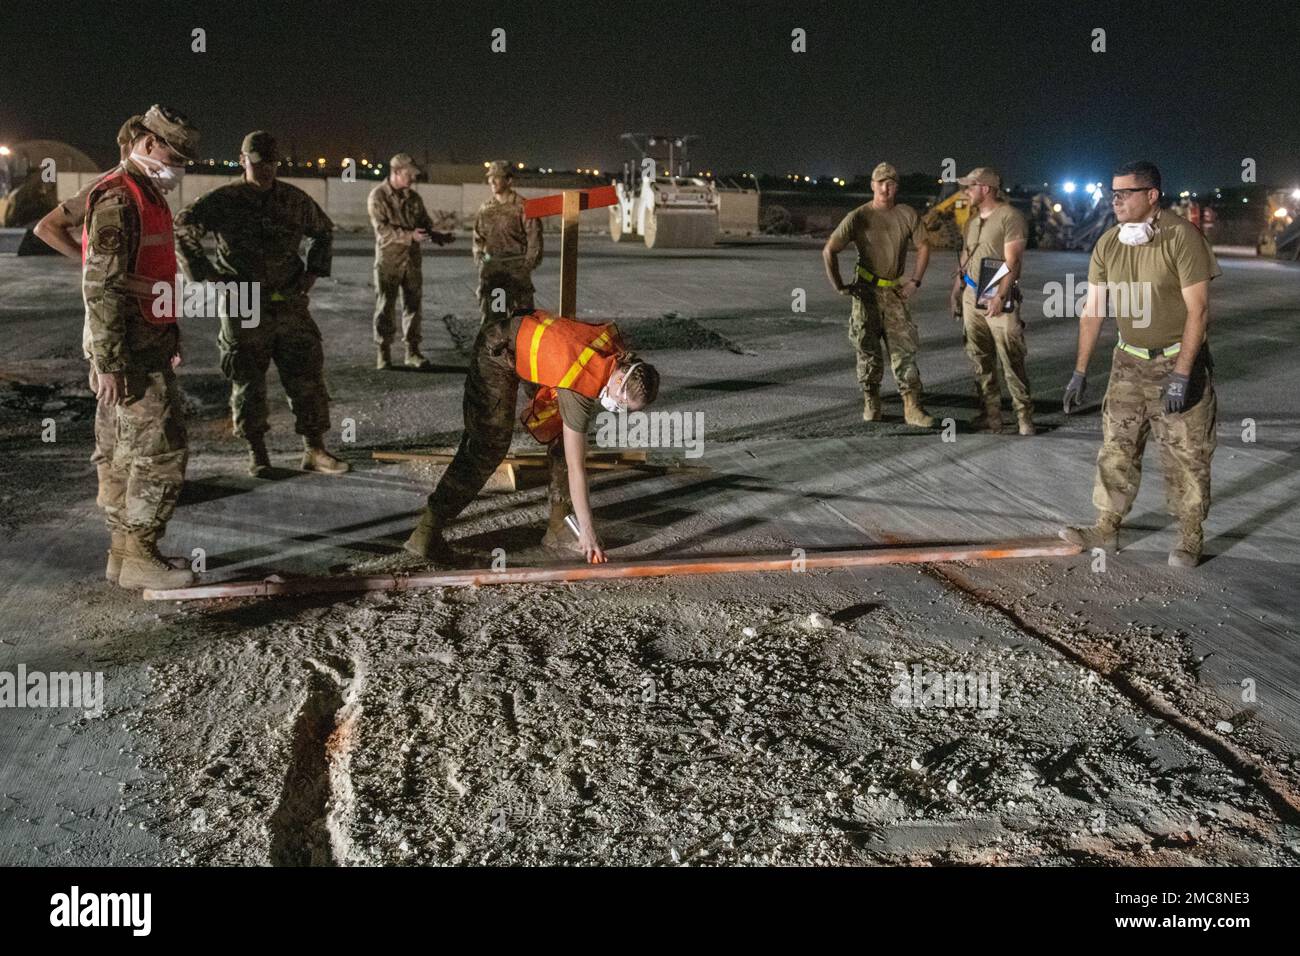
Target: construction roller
(667,228)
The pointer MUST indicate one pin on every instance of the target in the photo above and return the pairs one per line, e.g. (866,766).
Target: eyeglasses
(1122,194)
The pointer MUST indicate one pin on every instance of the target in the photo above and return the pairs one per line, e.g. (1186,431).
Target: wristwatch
(914,279)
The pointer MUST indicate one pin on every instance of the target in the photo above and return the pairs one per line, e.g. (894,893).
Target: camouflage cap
(129,130)
(499,167)
(983,176)
(884,171)
(403,161)
(259,146)
(172,128)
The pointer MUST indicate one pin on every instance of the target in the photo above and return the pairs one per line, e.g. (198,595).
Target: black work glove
(442,238)
(1176,393)
(1074,392)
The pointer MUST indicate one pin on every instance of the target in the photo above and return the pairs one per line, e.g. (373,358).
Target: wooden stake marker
(661,567)
(567,205)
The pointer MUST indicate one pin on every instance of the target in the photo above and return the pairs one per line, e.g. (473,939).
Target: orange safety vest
(555,352)
(155,255)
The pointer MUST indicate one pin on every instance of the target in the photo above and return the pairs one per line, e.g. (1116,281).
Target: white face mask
(608,403)
(1136,233)
(165,177)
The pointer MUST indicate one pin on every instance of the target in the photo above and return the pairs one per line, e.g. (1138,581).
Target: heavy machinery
(1280,237)
(946,219)
(659,199)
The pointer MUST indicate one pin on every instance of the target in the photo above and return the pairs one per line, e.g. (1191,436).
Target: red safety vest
(155,254)
(556,352)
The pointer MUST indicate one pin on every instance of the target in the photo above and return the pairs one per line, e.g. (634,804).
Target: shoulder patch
(108,239)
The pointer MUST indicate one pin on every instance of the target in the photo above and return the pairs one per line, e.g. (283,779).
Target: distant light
(1068,186)
(486,164)
(595,172)
(521,165)
(1244,199)
(1184,194)
(1280,212)
(1090,189)
(1056,207)
(1295,194)
(4,150)
(807,179)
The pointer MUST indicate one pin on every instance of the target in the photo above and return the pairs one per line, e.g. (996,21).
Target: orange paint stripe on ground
(660,567)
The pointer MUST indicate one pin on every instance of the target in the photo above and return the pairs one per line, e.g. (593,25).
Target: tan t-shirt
(882,237)
(1147,296)
(987,237)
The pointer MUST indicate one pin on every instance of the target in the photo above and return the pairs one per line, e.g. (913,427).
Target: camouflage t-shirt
(259,235)
(503,234)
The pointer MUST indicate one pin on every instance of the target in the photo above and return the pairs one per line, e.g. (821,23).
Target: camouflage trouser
(402,277)
(881,314)
(141,453)
(993,342)
(1132,411)
(491,391)
(105,440)
(517,286)
(286,335)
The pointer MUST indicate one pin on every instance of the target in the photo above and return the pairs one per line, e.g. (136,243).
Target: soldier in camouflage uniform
(992,326)
(260,224)
(882,231)
(507,247)
(1152,272)
(398,216)
(134,348)
(61,229)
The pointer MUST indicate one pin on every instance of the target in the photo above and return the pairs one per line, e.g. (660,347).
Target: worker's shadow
(1252,483)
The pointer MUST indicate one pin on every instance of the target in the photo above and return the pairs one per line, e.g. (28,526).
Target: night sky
(1196,87)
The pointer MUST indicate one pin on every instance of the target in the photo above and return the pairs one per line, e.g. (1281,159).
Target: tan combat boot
(1104,534)
(914,414)
(383,359)
(426,541)
(1188,553)
(558,536)
(1026,419)
(316,458)
(144,567)
(259,459)
(113,570)
(989,419)
(871,405)
(415,360)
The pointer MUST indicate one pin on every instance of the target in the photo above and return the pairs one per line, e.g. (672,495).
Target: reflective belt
(1150,353)
(869,276)
(280,297)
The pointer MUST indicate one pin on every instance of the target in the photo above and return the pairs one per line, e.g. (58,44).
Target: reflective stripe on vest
(155,254)
(554,352)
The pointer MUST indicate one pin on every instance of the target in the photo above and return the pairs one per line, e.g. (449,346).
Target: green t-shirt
(576,409)
(1147,281)
(882,237)
(987,237)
